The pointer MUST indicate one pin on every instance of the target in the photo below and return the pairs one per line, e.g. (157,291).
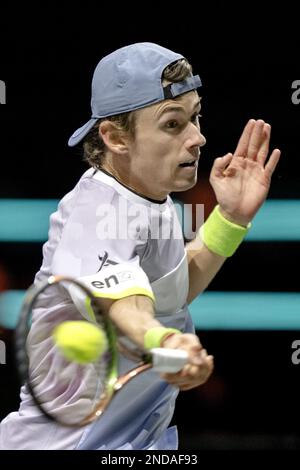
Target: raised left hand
(241,181)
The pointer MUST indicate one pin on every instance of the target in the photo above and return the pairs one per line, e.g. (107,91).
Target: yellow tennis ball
(80,341)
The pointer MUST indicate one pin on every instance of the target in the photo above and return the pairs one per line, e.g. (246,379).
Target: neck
(124,177)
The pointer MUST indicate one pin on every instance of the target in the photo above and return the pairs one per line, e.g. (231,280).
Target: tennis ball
(80,341)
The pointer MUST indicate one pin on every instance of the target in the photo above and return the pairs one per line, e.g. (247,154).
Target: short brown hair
(94,148)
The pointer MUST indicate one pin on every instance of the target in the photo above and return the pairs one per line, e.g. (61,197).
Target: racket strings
(69,393)
(63,390)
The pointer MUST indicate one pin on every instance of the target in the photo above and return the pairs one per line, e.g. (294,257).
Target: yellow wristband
(155,336)
(222,236)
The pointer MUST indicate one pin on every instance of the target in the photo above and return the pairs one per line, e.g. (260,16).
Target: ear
(114,139)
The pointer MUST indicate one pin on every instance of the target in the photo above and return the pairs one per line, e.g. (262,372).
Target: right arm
(134,315)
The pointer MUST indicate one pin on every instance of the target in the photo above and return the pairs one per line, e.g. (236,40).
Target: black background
(248,57)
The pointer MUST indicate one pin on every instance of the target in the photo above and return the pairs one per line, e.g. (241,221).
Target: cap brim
(81,132)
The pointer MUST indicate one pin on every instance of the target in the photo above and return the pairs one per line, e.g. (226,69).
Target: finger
(196,377)
(272,162)
(197,355)
(195,369)
(242,146)
(176,382)
(220,165)
(183,375)
(191,376)
(264,149)
(256,140)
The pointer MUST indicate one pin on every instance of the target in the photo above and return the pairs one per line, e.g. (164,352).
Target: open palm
(241,181)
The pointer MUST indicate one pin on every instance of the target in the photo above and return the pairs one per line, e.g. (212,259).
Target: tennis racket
(67,392)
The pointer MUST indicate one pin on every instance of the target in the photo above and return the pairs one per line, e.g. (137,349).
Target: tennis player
(142,142)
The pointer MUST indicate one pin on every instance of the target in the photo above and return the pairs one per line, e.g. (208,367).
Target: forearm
(218,239)
(134,315)
(203,266)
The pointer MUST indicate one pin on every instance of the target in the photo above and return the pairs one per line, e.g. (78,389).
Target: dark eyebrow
(169,109)
(178,109)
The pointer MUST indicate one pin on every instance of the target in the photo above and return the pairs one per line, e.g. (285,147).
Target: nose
(196,138)
(203,140)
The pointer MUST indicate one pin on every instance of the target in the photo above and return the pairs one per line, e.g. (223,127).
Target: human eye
(172,124)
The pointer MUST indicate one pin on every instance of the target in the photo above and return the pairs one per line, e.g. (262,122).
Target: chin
(185,186)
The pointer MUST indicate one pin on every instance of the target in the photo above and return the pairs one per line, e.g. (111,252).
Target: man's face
(165,152)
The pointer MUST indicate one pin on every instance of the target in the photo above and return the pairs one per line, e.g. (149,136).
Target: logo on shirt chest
(105,261)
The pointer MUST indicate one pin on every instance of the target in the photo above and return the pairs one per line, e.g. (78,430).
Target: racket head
(77,394)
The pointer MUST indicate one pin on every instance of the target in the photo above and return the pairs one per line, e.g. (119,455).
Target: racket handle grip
(168,360)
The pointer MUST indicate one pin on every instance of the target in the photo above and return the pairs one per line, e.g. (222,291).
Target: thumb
(221,163)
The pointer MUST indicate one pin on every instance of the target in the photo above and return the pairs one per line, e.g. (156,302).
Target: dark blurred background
(248,59)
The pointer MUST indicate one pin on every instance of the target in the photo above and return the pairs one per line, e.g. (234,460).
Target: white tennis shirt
(100,223)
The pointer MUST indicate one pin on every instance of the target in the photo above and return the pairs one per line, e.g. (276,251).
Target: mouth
(188,164)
